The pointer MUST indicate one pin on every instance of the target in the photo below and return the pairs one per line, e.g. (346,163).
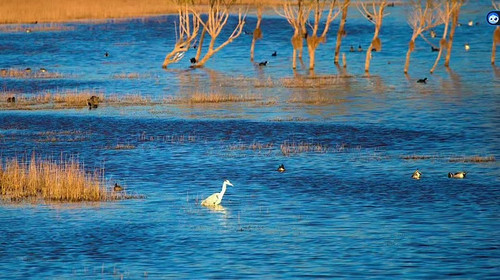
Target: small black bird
(360,49)
(434,49)
(193,60)
(351,49)
(247,32)
(263,63)
(106,54)
(117,188)
(422,81)
(274,53)
(281,168)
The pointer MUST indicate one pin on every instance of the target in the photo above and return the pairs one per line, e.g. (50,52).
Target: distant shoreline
(49,11)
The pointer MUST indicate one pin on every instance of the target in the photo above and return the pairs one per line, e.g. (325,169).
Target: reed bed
(316,98)
(255,146)
(474,159)
(28,28)
(289,148)
(126,76)
(313,81)
(70,99)
(29,73)
(200,98)
(49,180)
(27,11)
(418,157)
(123,147)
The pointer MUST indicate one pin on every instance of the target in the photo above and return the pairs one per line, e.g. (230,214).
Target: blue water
(349,211)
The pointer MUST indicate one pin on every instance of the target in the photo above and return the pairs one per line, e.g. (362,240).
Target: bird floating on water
(274,53)
(281,168)
(360,49)
(43,70)
(216,198)
(467,47)
(193,60)
(471,23)
(433,34)
(416,175)
(434,49)
(422,81)
(117,188)
(458,175)
(351,49)
(106,54)
(263,63)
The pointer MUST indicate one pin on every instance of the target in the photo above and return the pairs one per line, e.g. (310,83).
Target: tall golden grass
(214,97)
(28,11)
(48,180)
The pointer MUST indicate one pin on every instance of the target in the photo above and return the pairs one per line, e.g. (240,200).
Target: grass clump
(48,180)
(417,157)
(29,73)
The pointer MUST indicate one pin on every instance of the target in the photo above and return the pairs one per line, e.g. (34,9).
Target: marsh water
(346,205)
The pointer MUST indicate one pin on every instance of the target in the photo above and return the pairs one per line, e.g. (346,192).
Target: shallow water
(350,210)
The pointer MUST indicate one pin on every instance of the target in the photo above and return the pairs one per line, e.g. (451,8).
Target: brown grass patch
(255,146)
(29,73)
(48,180)
(474,159)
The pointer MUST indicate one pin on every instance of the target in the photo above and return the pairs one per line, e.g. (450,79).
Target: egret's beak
(230,184)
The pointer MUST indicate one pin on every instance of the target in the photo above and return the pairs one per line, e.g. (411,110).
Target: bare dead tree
(318,7)
(456,6)
(496,35)
(186,33)
(421,18)
(296,17)
(218,14)
(257,33)
(374,15)
(341,31)
(444,14)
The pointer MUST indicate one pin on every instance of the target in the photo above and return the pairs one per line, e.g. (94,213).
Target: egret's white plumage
(216,198)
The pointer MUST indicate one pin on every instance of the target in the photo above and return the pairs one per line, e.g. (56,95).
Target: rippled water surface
(346,208)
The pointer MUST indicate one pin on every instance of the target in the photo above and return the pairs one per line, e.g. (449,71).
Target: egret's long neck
(223,189)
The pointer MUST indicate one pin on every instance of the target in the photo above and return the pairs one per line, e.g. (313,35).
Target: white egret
(216,198)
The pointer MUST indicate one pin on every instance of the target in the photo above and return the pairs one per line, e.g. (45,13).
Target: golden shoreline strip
(31,11)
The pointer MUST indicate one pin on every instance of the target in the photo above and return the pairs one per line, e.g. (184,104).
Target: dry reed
(199,97)
(48,180)
(29,73)
(290,148)
(123,147)
(28,28)
(417,157)
(474,159)
(314,81)
(70,99)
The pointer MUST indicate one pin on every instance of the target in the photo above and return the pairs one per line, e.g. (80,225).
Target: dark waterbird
(117,188)
(274,53)
(193,60)
(281,168)
(263,63)
(434,49)
(28,70)
(422,81)
(11,99)
(93,102)
(352,49)
(106,54)
(360,49)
